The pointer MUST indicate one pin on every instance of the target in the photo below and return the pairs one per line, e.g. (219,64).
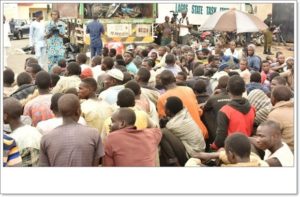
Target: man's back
(95,29)
(283,113)
(71,145)
(188,99)
(131,147)
(39,109)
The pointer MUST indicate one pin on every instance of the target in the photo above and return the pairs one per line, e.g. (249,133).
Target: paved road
(16,59)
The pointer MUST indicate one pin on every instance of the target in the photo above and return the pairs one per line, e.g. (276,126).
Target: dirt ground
(16,59)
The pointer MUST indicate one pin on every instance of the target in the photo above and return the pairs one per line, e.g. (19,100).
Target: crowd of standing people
(168,105)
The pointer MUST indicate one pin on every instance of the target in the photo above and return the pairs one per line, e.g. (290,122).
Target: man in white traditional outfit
(6,40)
(37,39)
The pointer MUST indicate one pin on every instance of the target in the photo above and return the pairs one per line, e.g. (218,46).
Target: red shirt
(131,147)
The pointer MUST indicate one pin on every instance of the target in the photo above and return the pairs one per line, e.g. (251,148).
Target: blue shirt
(254,85)
(55,43)
(254,63)
(95,29)
(131,67)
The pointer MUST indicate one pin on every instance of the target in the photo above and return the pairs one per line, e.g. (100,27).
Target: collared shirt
(132,147)
(55,43)
(95,29)
(11,154)
(71,145)
(37,34)
(39,108)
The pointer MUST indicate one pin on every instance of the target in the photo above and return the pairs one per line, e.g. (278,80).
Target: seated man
(268,138)
(71,144)
(127,146)
(182,125)
(237,115)
(28,138)
(237,153)
(283,113)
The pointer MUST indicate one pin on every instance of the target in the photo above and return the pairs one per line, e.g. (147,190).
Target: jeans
(96,51)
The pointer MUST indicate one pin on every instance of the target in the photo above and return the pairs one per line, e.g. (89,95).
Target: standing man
(55,31)
(268,35)
(6,40)
(166,29)
(95,29)
(184,26)
(37,39)
(12,25)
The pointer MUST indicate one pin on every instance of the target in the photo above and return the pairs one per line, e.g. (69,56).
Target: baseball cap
(116,73)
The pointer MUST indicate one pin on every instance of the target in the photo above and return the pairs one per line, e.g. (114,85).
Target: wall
(262,10)
(24,10)
(283,13)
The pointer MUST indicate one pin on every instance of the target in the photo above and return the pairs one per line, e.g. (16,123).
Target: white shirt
(229,53)
(37,34)
(97,71)
(183,30)
(84,66)
(284,155)
(48,125)
(27,137)
(6,30)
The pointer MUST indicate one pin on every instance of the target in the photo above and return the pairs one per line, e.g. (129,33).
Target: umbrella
(233,21)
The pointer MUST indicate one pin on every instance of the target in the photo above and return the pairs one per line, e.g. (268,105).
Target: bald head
(69,106)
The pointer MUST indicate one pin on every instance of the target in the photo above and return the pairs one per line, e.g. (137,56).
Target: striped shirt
(11,155)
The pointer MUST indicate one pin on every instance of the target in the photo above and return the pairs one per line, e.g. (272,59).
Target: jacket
(23,91)
(185,128)
(283,113)
(210,112)
(237,116)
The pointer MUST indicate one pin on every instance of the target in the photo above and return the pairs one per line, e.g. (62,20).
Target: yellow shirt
(95,112)
(142,122)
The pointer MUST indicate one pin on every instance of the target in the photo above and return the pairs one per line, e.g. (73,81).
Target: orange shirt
(188,99)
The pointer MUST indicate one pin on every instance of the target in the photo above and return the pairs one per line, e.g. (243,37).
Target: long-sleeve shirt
(37,34)
(253,63)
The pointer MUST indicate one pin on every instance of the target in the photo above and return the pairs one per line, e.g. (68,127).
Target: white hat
(116,73)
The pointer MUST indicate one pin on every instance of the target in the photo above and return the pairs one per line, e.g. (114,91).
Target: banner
(143,30)
(118,30)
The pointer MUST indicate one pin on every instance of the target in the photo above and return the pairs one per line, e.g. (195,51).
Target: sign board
(196,12)
(118,30)
(143,30)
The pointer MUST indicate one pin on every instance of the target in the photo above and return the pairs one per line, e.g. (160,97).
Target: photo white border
(161,180)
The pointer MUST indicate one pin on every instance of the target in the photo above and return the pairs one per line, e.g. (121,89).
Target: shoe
(265,52)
